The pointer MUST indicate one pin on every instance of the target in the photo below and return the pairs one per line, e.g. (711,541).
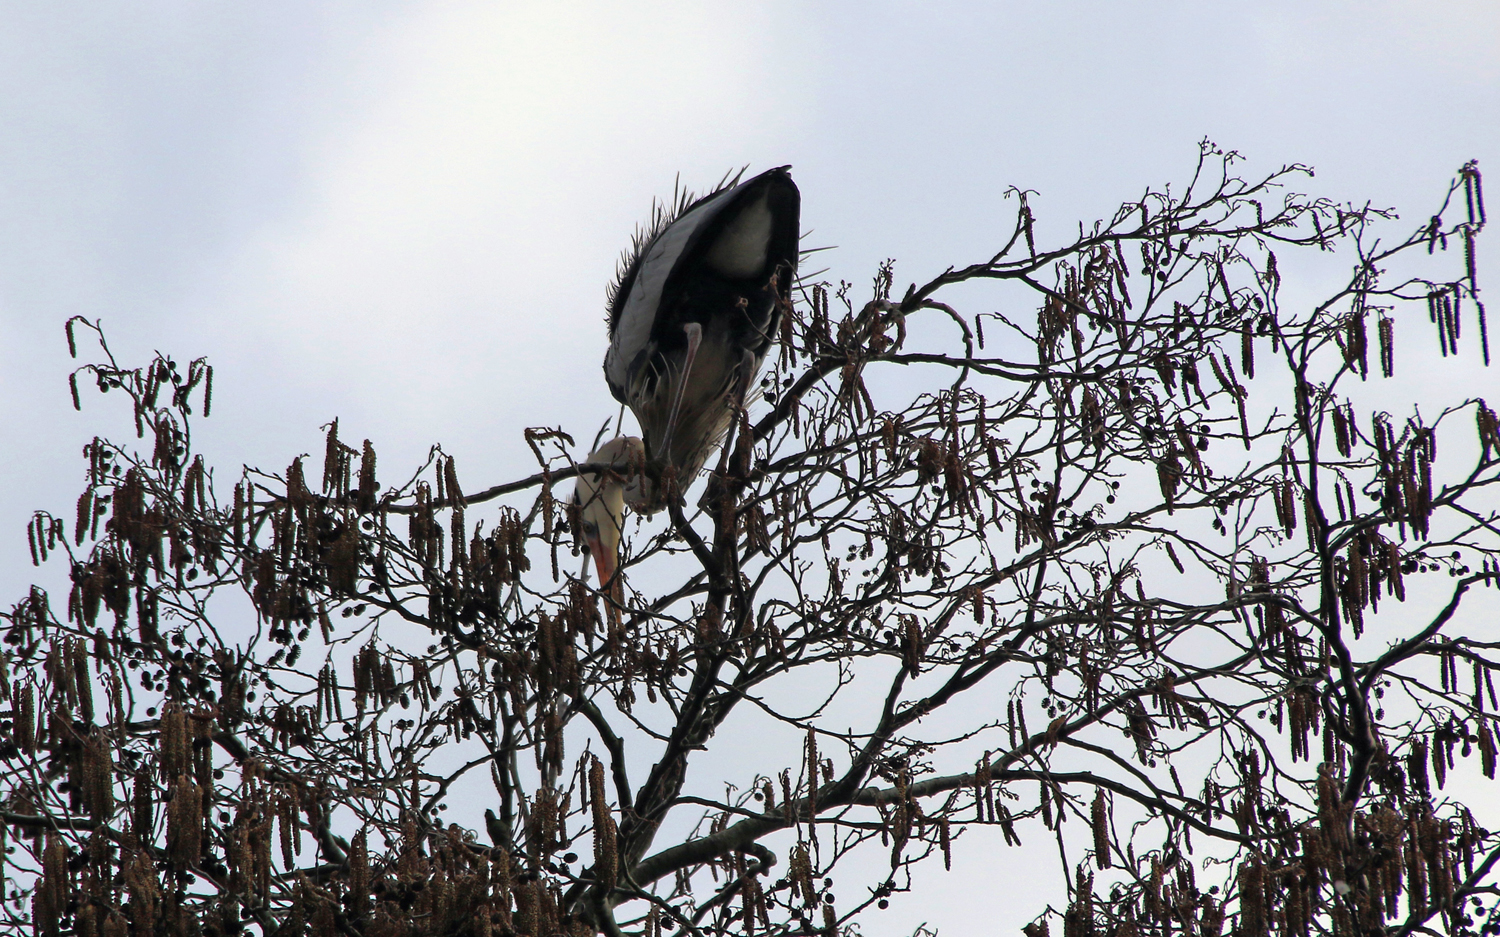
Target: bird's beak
(602,514)
(601,503)
(606,561)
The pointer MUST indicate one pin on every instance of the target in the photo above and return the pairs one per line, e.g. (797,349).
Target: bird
(695,308)
(599,499)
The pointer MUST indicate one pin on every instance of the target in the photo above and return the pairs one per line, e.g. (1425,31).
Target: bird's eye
(590,529)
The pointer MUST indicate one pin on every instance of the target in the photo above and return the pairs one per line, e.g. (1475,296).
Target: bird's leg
(694,338)
(741,391)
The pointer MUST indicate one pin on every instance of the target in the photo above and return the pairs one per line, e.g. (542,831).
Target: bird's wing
(632,331)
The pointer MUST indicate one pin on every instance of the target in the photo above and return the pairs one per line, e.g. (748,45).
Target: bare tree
(1167,509)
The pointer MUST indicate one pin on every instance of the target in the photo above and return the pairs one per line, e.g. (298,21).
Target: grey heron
(695,308)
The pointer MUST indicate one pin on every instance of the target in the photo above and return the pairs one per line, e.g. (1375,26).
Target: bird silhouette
(696,306)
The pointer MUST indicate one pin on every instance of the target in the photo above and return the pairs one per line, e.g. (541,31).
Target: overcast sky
(405,215)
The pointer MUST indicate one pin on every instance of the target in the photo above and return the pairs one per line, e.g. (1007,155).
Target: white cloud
(474,175)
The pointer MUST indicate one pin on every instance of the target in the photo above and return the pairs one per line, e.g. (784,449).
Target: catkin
(1099,821)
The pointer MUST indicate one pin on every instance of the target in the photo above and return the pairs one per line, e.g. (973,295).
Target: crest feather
(662,216)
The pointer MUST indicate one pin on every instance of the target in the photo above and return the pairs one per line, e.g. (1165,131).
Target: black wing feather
(662,216)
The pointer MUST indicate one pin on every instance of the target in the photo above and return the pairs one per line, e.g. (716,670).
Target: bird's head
(600,498)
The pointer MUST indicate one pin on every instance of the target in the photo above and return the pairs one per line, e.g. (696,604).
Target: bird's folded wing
(633,331)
